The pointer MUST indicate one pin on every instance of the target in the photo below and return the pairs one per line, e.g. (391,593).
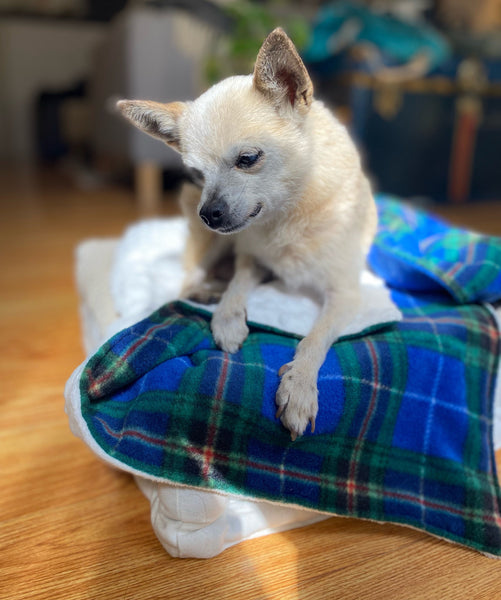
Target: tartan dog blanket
(404,429)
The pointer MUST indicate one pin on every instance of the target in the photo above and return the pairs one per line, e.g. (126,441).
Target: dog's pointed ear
(156,119)
(280,73)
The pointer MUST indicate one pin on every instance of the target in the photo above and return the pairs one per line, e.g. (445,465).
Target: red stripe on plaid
(420,501)
(467,262)
(351,485)
(208,453)
(489,330)
(97,383)
(454,270)
(258,466)
(135,433)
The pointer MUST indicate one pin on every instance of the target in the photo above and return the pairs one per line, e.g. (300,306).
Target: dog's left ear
(280,73)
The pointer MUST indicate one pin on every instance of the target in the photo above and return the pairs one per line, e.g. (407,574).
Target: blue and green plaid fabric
(416,253)
(404,429)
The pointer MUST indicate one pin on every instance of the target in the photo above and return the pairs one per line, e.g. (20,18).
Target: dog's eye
(246,160)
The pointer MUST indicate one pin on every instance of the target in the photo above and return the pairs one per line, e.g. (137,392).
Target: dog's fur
(282,183)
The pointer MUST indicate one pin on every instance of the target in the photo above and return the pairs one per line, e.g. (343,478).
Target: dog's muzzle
(215,213)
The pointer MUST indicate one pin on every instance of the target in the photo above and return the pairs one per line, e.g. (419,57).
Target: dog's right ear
(157,119)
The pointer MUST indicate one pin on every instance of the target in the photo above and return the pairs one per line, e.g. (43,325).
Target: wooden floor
(71,528)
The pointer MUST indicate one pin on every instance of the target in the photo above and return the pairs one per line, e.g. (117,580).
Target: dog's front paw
(296,400)
(209,292)
(229,329)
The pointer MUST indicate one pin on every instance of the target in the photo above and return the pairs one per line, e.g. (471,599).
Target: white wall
(36,56)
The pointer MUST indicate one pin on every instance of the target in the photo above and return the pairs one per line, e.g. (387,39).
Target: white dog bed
(122,281)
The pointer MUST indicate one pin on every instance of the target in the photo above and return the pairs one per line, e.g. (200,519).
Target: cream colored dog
(283,185)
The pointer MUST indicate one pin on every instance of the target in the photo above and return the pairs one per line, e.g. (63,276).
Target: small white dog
(283,186)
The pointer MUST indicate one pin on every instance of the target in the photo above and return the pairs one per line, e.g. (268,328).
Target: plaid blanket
(404,430)
(416,253)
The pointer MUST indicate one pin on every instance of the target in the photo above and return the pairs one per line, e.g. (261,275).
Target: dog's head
(244,139)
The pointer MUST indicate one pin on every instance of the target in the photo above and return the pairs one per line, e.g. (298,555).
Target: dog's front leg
(228,324)
(198,285)
(297,393)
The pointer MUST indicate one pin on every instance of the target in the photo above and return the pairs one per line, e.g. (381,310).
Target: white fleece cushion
(142,271)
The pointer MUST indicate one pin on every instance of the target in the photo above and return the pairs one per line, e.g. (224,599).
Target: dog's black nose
(213,214)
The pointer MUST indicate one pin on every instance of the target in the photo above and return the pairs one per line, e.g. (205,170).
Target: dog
(283,187)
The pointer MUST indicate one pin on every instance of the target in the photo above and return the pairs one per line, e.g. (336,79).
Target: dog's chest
(287,261)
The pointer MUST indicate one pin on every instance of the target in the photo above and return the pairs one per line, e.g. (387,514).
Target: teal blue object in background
(344,23)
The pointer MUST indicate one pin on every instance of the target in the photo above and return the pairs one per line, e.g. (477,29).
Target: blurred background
(418,82)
